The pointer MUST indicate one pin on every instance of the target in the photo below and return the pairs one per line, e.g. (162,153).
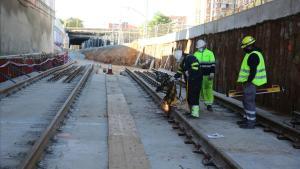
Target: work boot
(248,125)
(189,112)
(195,111)
(209,108)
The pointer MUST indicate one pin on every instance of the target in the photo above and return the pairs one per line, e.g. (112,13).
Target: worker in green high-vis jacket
(207,65)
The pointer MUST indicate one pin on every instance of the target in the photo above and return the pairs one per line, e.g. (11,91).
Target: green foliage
(73,22)
(159,18)
(159,25)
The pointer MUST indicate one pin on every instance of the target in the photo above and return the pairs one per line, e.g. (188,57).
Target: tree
(73,22)
(159,18)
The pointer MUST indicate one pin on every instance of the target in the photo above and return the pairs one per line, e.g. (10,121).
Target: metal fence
(221,8)
(216,10)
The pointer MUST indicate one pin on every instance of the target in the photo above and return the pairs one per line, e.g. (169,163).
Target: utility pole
(234,6)
(146,18)
(211,9)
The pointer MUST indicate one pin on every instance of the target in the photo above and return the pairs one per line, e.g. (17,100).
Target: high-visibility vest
(206,59)
(261,75)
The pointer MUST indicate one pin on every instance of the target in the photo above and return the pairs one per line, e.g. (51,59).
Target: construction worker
(181,68)
(189,67)
(207,62)
(251,75)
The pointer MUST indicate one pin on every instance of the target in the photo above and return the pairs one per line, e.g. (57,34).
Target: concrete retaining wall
(24,29)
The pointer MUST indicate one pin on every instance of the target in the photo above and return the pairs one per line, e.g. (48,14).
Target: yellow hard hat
(248,40)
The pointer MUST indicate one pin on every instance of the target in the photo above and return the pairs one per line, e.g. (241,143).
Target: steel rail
(284,132)
(212,154)
(40,145)
(74,74)
(59,74)
(5,92)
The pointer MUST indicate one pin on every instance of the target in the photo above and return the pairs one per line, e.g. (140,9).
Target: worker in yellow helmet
(252,74)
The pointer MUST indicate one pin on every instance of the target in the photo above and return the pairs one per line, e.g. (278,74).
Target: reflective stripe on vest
(205,58)
(195,66)
(261,75)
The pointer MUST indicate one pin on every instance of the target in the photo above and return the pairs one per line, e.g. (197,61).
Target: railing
(18,65)
(221,9)
(163,29)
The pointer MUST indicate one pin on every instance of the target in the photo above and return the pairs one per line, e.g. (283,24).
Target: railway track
(264,119)
(82,139)
(41,144)
(18,86)
(226,154)
(85,133)
(25,134)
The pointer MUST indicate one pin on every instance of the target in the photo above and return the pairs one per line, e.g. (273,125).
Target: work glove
(211,76)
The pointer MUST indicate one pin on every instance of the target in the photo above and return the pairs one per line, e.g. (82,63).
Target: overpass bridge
(78,35)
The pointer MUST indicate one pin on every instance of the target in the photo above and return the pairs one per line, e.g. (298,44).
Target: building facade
(209,10)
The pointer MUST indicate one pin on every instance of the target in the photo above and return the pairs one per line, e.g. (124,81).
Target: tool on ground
(215,136)
(273,89)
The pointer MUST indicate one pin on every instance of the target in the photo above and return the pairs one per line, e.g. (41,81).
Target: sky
(98,13)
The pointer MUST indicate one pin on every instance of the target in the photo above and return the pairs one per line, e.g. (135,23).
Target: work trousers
(193,91)
(249,102)
(207,90)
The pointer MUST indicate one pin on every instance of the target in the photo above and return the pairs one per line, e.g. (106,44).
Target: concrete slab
(9,83)
(125,147)
(223,24)
(276,9)
(83,140)
(252,149)
(210,27)
(196,31)
(24,115)
(164,148)
(295,4)
(244,18)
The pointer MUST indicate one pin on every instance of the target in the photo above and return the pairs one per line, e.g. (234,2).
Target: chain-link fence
(162,29)
(215,10)
(127,36)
